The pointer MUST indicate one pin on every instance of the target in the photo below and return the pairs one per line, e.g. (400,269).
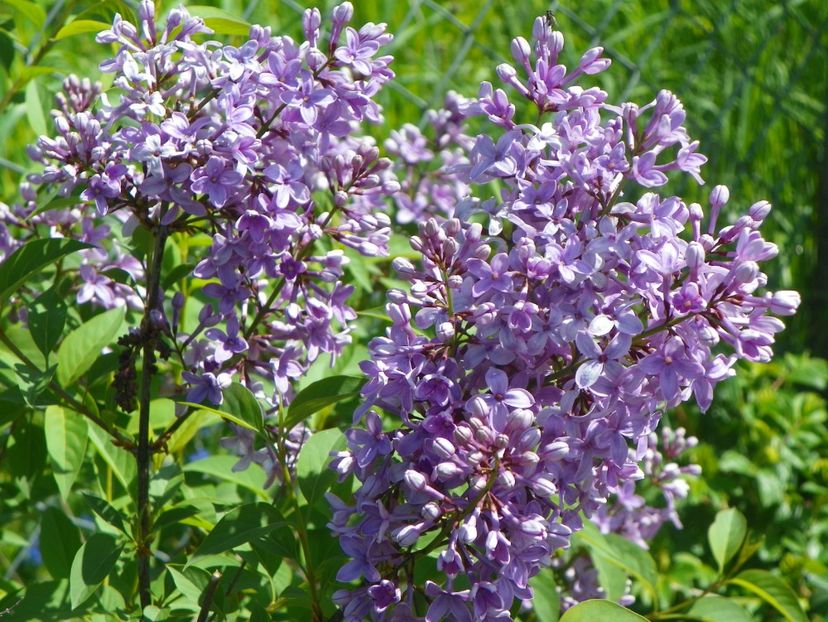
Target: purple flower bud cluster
(543,333)
(631,516)
(261,148)
(425,165)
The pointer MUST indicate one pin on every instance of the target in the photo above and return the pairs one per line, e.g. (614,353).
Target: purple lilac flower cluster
(425,164)
(258,146)
(543,333)
(629,514)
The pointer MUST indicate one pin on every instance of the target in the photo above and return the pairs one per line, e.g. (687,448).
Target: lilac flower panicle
(262,148)
(542,334)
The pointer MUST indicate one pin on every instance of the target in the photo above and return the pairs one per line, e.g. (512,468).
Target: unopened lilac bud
(707,241)
(206,317)
(430,229)
(340,198)
(506,72)
(447,470)
(443,447)
(467,532)
(554,451)
(592,63)
(455,281)
(529,439)
(759,211)
(484,436)
(62,124)
(462,434)
(501,441)
(478,409)
(708,335)
(431,511)
(415,480)
(316,59)
(406,536)
(474,232)
(397,296)
(445,331)
(340,17)
(452,227)
(746,272)
(544,487)
(506,479)
(391,186)
(694,256)
(521,51)
(178,300)
(528,458)
(311,21)
(785,302)
(403,267)
(475,458)
(719,196)
(483,251)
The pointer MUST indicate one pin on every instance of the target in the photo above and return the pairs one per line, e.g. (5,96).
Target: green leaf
(222,467)
(221,22)
(30,259)
(31,11)
(320,394)
(59,542)
(726,535)
(611,577)
(6,50)
(34,109)
(81,27)
(621,553)
(243,405)
(600,611)
(108,513)
(83,345)
(47,318)
(315,477)
(66,437)
(773,591)
(240,526)
(239,406)
(714,608)
(191,582)
(119,460)
(547,602)
(92,564)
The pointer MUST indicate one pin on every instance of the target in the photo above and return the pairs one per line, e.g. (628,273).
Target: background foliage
(753,75)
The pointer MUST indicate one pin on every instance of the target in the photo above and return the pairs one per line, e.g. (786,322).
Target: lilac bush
(553,316)
(558,301)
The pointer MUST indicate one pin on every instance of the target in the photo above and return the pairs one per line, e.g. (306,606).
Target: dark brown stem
(159,443)
(143,454)
(209,593)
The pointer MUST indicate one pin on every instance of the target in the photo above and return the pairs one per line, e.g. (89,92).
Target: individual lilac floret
(543,332)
